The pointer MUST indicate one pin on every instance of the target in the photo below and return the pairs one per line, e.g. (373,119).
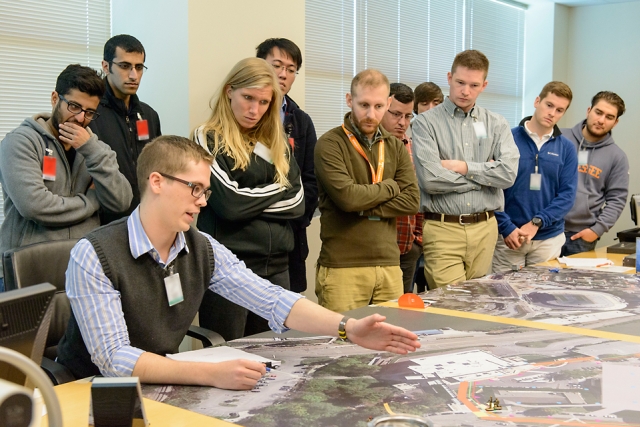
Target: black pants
(231,320)
(421,281)
(297,260)
(408,266)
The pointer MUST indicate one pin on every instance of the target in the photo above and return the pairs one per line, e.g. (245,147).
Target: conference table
(75,397)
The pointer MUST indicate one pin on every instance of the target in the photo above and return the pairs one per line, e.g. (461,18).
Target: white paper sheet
(585,262)
(608,268)
(218,354)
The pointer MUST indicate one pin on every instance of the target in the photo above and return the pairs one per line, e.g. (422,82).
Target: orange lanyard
(376,177)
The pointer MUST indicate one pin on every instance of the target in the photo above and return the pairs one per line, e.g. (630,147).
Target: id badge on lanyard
(535,180)
(583,157)
(480,130)
(142,127)
(49,165)
(173,287)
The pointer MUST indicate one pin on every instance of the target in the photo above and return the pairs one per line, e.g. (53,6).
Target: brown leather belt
(463,219)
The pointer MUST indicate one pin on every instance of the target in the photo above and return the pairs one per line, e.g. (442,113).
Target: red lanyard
(376,177)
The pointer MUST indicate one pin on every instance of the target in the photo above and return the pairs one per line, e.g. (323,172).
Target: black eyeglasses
(397,115)
(127,66)
(290,70)
(197,190)
(76,108)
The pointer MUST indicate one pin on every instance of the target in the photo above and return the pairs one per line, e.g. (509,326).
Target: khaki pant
(534,252)
(454,253)
(342,289)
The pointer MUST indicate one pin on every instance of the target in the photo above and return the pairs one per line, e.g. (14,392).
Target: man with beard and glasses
(365,180)
(603,175)
(55,173)
(397,120)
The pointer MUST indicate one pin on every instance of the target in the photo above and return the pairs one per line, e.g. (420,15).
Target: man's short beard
(359,126)
(597,135)
(56,117)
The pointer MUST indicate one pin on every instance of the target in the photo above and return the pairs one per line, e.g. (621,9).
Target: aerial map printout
(554,349)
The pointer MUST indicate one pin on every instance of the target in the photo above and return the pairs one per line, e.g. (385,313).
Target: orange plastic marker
(410,300)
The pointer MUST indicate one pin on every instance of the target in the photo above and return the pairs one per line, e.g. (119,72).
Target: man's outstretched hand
(373,333)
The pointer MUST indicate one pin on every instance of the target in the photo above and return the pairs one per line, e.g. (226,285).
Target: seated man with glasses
(396,120)
(136,284)
(55,173)
(127,124)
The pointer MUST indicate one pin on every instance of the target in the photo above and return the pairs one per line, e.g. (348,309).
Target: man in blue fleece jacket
(532,224)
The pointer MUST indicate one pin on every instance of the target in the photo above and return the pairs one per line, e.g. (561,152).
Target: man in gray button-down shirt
(464,157)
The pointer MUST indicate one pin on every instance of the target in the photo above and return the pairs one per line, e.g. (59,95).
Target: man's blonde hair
(369,78)
(223,131)
(169,154)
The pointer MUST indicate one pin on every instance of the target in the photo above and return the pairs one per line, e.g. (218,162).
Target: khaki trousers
(454,253)
(342,289)
(534,252)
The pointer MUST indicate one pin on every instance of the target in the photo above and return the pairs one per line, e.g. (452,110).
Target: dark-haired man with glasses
(286,59)
(396,121)
(55,173)
(127,124)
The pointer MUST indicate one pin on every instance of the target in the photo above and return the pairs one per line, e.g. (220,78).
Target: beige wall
(223,32)
(237,35)
(601,54)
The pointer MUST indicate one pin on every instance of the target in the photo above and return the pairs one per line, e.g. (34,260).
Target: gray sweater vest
(153,326)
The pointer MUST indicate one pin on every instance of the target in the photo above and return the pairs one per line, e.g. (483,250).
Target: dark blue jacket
(558,165)
(300,130)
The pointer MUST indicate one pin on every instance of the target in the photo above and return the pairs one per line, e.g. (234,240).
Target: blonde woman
(255,185)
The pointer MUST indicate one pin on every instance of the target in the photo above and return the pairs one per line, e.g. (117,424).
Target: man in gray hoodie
(603,175)
(55,173)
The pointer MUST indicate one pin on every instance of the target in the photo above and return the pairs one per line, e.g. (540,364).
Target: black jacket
(249,213)
(117,128)
(299,127)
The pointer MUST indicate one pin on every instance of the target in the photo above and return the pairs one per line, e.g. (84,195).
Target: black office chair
(47,262)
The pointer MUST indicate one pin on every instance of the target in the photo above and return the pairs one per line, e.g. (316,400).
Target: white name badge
(263,151)
(174,289)
(583,157)
(481,131)
(535,182)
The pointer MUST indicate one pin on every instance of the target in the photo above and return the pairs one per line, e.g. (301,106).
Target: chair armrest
(208,337)
(57,373)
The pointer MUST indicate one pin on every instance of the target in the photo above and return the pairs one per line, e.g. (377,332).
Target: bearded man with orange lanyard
(365,180)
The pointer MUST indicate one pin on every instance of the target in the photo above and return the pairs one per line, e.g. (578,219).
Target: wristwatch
(342,333)
(537,222)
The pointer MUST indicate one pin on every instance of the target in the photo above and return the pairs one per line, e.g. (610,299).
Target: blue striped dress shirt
(96,304)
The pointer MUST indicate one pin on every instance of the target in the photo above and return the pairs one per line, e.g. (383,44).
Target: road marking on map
(521,322)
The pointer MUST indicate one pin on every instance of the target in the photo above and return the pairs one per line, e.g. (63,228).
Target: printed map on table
(540,377)
(569,297)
